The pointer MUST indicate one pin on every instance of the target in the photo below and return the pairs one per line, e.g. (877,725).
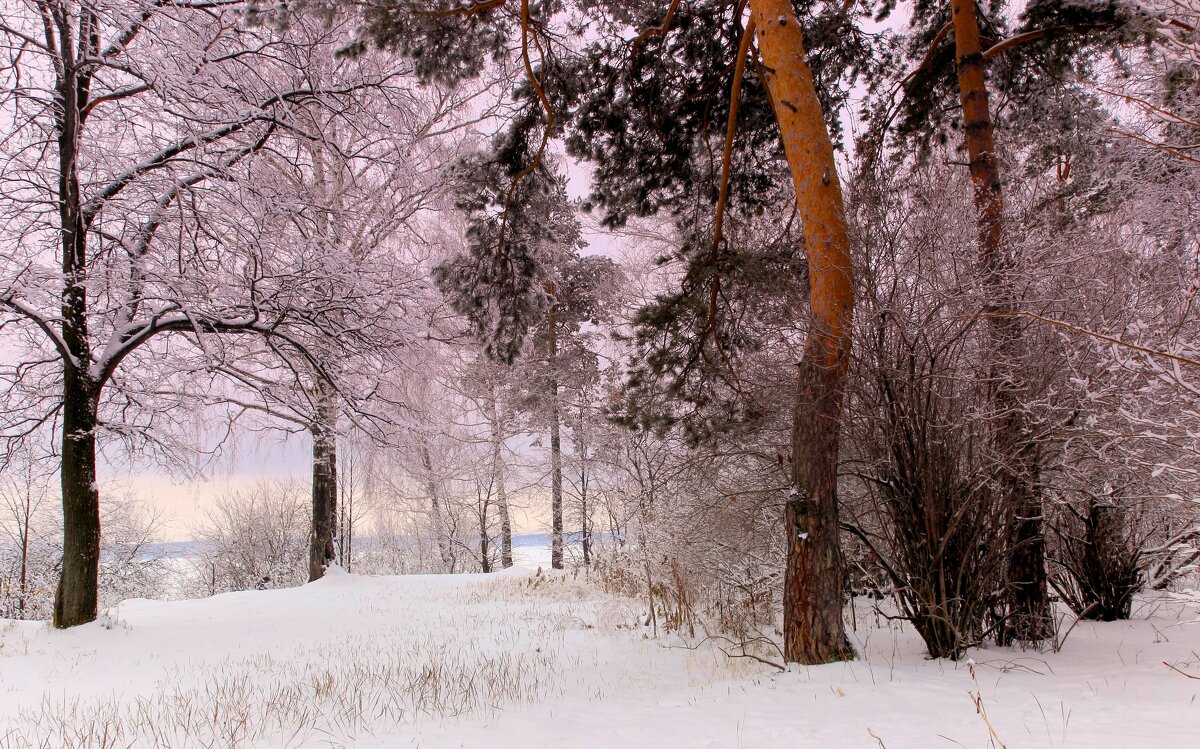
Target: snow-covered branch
(26,311)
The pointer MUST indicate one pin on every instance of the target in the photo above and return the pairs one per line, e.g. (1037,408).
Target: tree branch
(1171,150)
(933,46)
(114,186)
(1024,37)
(1094,334)
(29,313)
(660,30)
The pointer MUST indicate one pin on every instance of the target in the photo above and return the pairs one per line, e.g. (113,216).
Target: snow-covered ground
(526,660)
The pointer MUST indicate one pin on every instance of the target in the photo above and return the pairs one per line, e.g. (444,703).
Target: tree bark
(813,628)
(1028,605)
(485,542)
(497,425)
(435,509)
(581,450)
(26,516)
(556,503)
(322,549)
(345,512)
(585,530)
(75,601)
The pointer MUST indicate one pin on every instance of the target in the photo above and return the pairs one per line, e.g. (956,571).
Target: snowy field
(526,660)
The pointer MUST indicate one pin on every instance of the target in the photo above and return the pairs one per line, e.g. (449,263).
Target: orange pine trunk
(1028,614)
(813,628)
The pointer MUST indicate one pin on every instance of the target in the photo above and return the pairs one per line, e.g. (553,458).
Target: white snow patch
(548,661)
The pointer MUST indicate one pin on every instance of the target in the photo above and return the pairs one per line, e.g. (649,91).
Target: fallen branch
(1181,671)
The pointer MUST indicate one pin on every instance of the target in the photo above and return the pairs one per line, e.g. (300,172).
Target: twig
(1094,334)
(977,698)
(1180,671)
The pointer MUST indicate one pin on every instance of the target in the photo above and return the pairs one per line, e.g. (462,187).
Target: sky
(181,500)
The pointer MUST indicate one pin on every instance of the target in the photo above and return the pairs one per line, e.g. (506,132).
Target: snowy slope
(518,660)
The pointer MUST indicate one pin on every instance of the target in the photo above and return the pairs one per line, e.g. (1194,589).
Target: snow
(532,552)
(521,659)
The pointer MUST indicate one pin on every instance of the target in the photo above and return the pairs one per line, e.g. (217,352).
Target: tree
(1051,40)
(357,495)
(496,424)
(527,296)
(552,97)
(140,220)
(559,359)
(351,193)
(813,629)
(813,597)
(24,493)
(1031,619)
(489,387)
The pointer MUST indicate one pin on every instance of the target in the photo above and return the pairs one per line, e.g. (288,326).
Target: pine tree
(955,46)
(644,111)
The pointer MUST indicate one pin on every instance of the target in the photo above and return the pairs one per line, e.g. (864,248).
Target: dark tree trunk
(28,511)
(322,548)
(75,600)
(585,530)
(556,503)
(485,543)
(1028,607)
(581,449)
(345,512)
(812,599)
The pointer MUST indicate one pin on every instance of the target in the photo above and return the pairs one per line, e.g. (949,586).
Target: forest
(707,342)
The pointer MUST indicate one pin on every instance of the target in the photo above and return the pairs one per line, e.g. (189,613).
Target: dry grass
(470,651)
(334,690)
(348,693)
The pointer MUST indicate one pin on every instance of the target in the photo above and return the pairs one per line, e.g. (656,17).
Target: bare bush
(693,534)
(31,544)
(1096,565)
(940,532)
(254,538)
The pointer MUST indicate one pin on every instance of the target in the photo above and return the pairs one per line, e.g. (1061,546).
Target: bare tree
(27,525)
(129,129)
(254,538)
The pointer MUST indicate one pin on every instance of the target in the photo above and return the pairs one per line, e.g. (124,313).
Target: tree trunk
(322,549)
(556,504)
(506,555)
(812,600)
(435,509)
(585,531)
(1028,603)
(26,518)
(497,425)
(581,449)
(75,600)
(345,512)
(485,543)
